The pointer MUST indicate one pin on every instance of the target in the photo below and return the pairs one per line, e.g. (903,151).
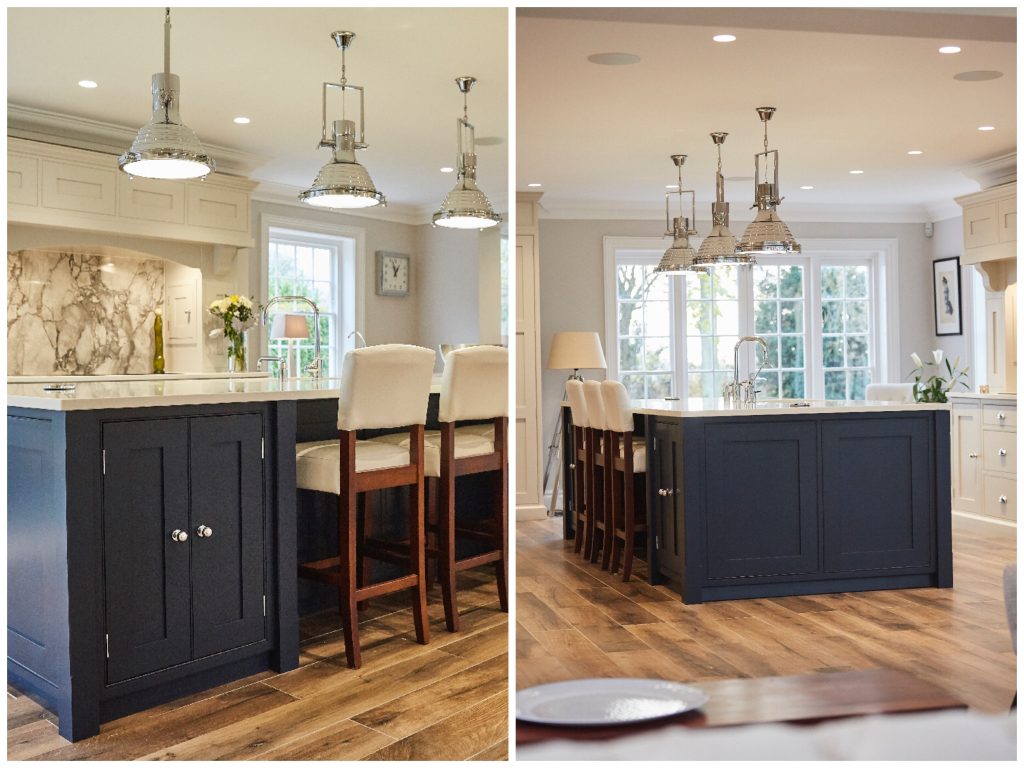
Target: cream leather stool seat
(639,457)
(581,468)
(467,445)
(382,387)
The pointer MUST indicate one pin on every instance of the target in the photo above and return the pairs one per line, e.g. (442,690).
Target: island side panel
(942,483)
(281,492)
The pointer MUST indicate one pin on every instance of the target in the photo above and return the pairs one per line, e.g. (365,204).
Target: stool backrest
(474,384)
(577,403)
(385,386)
(595,405)
(901,393)
(617,413)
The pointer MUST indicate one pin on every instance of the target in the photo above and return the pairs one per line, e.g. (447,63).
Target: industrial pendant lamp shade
(466,206)
(767,233)
(680,257)
(719,247)
(166,148)
(343,182)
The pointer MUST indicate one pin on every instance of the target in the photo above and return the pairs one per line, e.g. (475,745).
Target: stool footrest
(477,560)
(387,587)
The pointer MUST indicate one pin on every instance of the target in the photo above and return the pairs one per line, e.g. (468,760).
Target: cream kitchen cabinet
(990,224)
(78,189)
(985,455)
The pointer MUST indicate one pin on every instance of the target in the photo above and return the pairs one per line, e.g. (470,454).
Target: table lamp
(290,327)
(573,350)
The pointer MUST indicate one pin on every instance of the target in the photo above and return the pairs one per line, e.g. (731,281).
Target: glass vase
(236,354)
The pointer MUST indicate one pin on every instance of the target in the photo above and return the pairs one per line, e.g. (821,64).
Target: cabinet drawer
(981,225)
(78,188)
(1000,453)
(217,207)
(1000,416)
(1001,497)
(22,180)
(1008,220)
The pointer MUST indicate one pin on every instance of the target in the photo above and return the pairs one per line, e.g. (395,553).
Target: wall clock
(392,274)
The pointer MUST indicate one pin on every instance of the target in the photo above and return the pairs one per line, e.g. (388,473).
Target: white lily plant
(935,387)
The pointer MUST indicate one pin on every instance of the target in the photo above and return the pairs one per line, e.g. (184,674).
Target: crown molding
(824,213)
(998,170)
(82,133)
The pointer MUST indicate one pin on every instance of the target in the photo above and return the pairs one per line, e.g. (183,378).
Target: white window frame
(350,280)
(881,253)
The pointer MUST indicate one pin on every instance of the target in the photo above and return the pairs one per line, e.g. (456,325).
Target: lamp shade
(571,350)
(289,327)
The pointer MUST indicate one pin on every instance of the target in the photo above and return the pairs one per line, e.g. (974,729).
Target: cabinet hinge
(108,645)
(263,454)
(264,605)
(654,443)
(657,543)
(104,461)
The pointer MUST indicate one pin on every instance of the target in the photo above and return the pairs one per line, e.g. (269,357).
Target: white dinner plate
(605,701)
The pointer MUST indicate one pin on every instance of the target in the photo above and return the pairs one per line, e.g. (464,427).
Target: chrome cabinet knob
(1001,416)
(972,455)
(179,535)
(666,491)
(1002,499)
(204,531)
(1002,451)
(572,466)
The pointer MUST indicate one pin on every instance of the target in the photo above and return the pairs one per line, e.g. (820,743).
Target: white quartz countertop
(704,407)
(139,392)
(1008,397)
(72,379)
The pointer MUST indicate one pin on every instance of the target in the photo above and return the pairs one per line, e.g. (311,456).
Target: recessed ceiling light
(856,172)
(977,75)
(88,83)
(949,49)
(724,38)
(986,127)
(613,59)
(242,120)
(807,186)
(446,169)
(671,186)
(914,152)
(533,185)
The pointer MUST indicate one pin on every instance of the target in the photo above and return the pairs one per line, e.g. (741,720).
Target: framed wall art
(946,286)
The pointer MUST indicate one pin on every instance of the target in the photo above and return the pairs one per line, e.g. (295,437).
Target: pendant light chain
(167,41)
(344,81)
(765,121)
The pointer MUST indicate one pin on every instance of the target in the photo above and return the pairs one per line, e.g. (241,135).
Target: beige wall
(572,282)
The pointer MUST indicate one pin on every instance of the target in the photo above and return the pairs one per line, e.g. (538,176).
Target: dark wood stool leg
(430,492)
(446,521)
(609,523)
(501,566)
(628,507)
(365,564)
(347,510)
(615,507)
(589,496)
(417,536)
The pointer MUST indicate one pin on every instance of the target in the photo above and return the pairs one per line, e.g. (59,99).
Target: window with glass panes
(675,333)
(301,267)
(644,312)
(846,330)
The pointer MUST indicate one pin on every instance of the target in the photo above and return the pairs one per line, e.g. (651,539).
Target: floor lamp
(570,351)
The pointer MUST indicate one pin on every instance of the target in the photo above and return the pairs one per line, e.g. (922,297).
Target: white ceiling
(854,90)
(268,64)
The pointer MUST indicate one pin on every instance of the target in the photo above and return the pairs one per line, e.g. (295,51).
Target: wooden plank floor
(447,700)
(576,621)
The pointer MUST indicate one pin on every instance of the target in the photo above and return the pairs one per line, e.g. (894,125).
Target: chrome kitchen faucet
(744,392)
(315,368)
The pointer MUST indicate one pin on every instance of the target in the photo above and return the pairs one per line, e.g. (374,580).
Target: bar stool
(474,387)
(580,465)
(628,460)
(382,387)
(601,476)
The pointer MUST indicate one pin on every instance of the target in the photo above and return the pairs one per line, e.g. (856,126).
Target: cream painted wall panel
(22,180)
(153,200)
(217,207)
(1008,220)
(78,188)
(981,225)
(529,493)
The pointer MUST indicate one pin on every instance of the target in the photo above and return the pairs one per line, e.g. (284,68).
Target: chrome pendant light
(343,182)
(166,148)
(466,207)
(680,257)
(719,247)
(767,233)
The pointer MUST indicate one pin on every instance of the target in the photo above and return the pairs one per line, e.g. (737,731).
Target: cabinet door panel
(146,573)
(877,493)
(664,469)
(967,457)
(768,526)
(227,567)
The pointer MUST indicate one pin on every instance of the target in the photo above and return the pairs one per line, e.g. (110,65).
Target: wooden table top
(795,699)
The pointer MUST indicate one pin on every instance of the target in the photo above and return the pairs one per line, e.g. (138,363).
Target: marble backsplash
(81,310)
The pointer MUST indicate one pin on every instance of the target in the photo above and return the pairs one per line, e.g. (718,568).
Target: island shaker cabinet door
(877,494)
(227,532)
(146,571)
(766,526)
